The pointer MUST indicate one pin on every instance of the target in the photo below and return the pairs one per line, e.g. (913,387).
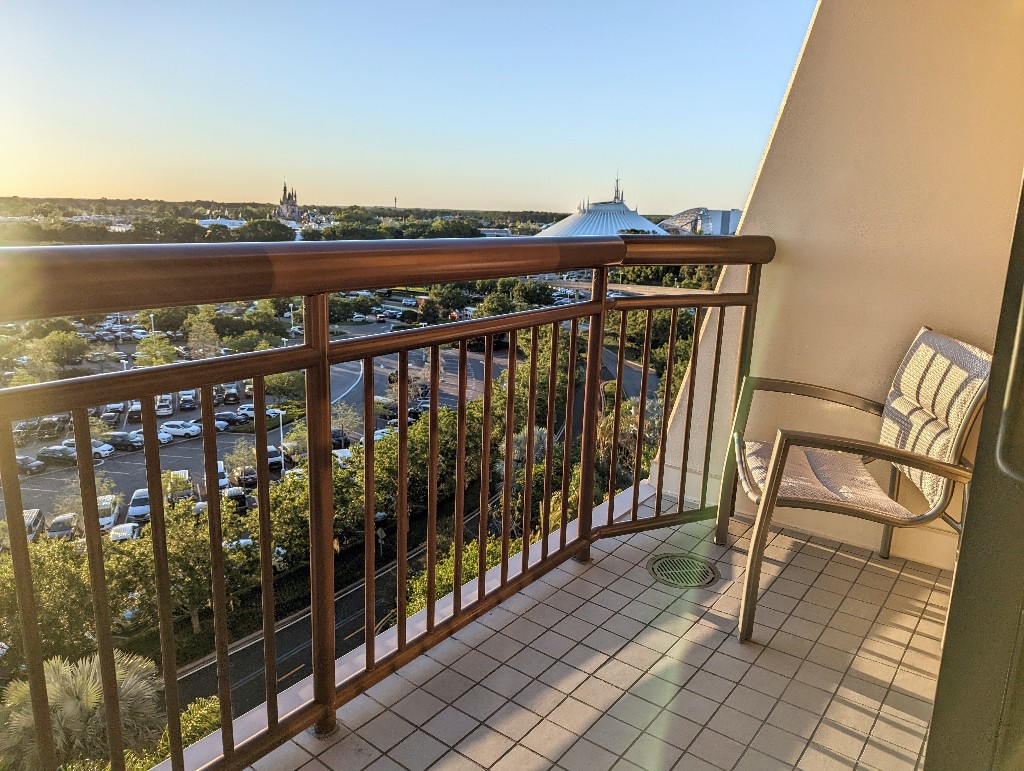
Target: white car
(222,475)
(181,428)
(408,302)
(220,425)
(139,334)
(138,506)
(161,436)
(164,406)
(249,411)
(358,317)
(99,449)
(126,532)
(380,433)
(278,555)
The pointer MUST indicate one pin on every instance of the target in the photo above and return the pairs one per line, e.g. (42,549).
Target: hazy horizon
(467,106)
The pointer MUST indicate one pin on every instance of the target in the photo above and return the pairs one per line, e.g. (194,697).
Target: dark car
(110,419)
(240,499)
(123,440)
(243,477)
(28,466)
(339,439)
(64,526)
(24,430)
(57,456)
(231,395)
(49,428)
(231,418)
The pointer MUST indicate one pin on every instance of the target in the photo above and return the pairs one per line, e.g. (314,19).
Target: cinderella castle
(288,209)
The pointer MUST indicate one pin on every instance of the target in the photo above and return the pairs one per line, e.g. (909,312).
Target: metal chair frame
(786,439)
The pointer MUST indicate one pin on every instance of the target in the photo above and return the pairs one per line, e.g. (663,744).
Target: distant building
(607,218)
(288,209)
(495,232)
(702,221)
(230,224)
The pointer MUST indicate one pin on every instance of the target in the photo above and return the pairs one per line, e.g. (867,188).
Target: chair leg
(726,498)
(883,549)
(755,558)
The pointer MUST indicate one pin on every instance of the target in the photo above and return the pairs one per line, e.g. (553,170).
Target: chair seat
(819,477)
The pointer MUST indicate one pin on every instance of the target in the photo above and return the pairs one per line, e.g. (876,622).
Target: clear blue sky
(514,105)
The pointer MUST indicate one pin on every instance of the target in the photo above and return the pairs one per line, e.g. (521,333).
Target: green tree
(495,304)
(352,231)
(453,228)
(168,319)
(344,416)
(63,603)
(77,711)
(42,327)
(153,350)
(286,385)
(264,230)
(64,348)
(203,340)
(218,234)
(311,234)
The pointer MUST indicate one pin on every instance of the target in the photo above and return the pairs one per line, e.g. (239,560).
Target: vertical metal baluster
(27,614)
(591,411)
(369,518)
(641,416)
(259,399)
(510,415)
(531,419)
(321,510)
(691,382)
(616,417)
(158,534)
(485,469)
(549,446)
(217,573)
(100,598)
(460,476)
(402,567)
(711,408)
(666,394)
(435,386)
(570,397)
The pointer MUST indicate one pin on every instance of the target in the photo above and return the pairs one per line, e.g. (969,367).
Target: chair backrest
(936,394)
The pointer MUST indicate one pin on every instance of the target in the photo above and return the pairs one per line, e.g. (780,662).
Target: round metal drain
(682,570)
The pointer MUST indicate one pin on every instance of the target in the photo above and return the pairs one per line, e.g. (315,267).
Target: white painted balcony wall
(890,186)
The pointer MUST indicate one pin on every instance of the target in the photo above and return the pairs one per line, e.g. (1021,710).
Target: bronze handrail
(47,281)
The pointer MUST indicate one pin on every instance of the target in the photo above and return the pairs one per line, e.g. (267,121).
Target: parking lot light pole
(152,324)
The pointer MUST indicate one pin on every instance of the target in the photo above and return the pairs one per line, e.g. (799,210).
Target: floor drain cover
(682,570)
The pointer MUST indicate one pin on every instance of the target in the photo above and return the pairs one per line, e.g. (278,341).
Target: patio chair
(936,396)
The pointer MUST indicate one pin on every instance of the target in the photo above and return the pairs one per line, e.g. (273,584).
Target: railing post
(321,509)
(591,409)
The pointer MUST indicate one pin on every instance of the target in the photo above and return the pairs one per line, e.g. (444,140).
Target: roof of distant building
(222,221)
(607,218)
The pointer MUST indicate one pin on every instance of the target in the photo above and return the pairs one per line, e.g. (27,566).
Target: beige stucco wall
(890,186)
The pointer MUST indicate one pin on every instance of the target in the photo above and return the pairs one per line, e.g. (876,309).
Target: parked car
(179,486)
(249,411)
(358,317)
(58,456)
(129,531)
(181,428)
(408,302)
(65,526)
(339,439)
(231,394)
(247,388)
(138,506)
(231,418)
(24,430)
(139,334)
(35,522)
(222,476)
(110,419)
(164,406)
(124,440)
(243,476)
(108,507)
(99,449)
(343,457)
(240,499)
(135,412)
(161,436)
(187,400)
(28,466)
(275,458)
(49,428)
(220,425)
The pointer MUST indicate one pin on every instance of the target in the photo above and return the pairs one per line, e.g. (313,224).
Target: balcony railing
(70,281)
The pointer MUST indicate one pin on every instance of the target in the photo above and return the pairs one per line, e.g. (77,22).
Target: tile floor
(597,666)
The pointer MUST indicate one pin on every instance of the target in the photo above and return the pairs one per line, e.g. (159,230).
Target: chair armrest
(816,392)
(875,450)
(751,384)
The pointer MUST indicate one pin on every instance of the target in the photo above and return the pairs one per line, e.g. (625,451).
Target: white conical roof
(608,218)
